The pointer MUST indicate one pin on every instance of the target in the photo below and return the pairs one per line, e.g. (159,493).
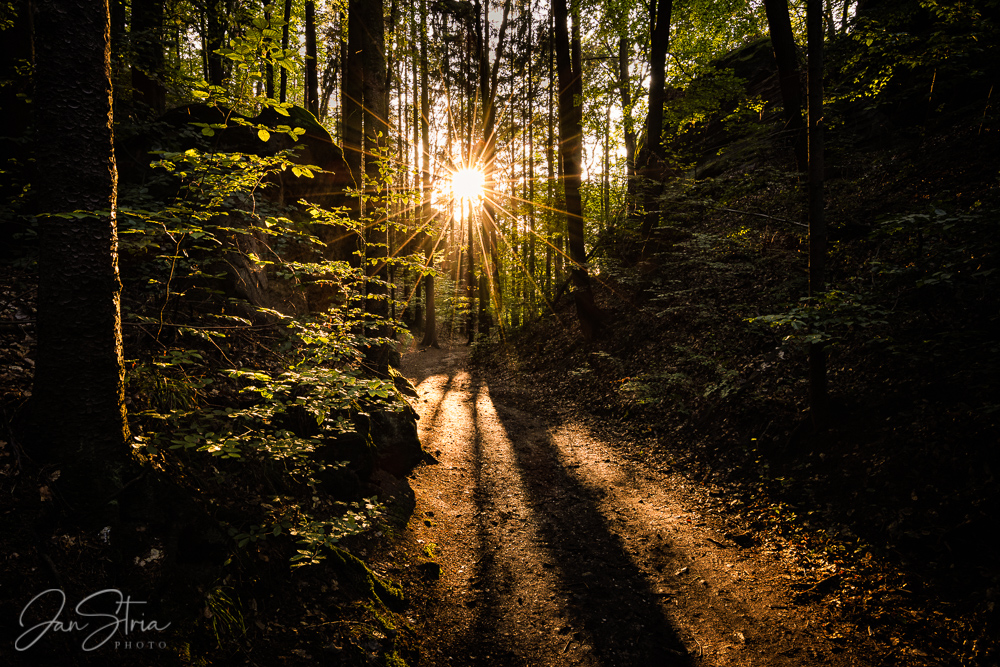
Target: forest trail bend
(555,550)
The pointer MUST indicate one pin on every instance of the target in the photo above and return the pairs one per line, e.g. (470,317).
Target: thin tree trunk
(787,59)
(818,399)
(628,127)
(312,71)
(216,16)
(146,36)
(530,125)
(488,93)
(268,67)
(350,99)
(652,155)
(430,324)
(283,92)
(571,149)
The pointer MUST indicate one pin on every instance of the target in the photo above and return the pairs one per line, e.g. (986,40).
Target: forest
(513,332)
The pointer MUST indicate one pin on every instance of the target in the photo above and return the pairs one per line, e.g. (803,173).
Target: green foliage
(711,90)
(224,614)
(939,248)
(205,245)
(920,49)
(828,317)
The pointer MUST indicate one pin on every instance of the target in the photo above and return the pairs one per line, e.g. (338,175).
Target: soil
(539,543)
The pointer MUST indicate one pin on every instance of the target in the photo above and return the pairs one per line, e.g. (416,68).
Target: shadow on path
(614,616)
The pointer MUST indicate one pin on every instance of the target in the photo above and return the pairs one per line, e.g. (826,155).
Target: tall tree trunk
(550,158)
(216,15)
(430,324)
(628,127)
(470,271)
(786,56)
(374,102)
(79,399)
(147,54)
(351,113)
(283,91)
(818,399)
(558,179)
(490,282)
(652,154)
(530,125)
(312,67)
(571,151)
(268,66)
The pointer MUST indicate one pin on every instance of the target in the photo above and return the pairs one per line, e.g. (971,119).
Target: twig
(759,215)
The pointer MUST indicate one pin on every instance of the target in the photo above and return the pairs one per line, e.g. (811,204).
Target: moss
(394,660)
(359,576)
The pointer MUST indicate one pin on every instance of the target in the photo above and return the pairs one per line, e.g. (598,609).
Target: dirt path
(556,551)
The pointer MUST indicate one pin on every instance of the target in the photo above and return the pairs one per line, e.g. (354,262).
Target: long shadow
(611,604)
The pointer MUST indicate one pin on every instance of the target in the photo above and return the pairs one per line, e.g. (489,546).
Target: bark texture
(568,65)
(79,402)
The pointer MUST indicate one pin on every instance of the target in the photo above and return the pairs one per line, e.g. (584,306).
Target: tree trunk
(488,233)
(652,154)
(430,324)
(659,34)
(78,400)
(351,113)
(818,400)
(146,35)
(624,88)
(312,67)
(268,66)
(374,102)
(787,59)
(571,151)
(216,15)
(283,91)
(530,125)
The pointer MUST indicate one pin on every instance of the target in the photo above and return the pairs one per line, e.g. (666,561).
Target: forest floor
(539,542)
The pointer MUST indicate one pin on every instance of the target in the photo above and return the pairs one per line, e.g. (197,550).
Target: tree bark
(78,409)
(571,151)
(374,103)
(787,59)
(652,154)
(659,34)
(312,66)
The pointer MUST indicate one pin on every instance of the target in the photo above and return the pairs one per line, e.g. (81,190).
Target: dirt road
(554,550)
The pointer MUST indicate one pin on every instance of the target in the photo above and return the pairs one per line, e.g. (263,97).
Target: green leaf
(263,134)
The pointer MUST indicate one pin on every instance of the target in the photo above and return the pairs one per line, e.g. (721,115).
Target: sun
(467,183)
